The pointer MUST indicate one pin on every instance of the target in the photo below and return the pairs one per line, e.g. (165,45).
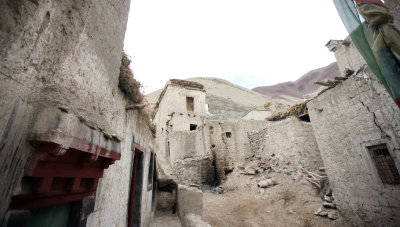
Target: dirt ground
(292,202)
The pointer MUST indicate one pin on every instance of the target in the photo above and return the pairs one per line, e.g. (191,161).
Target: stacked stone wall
(289,141)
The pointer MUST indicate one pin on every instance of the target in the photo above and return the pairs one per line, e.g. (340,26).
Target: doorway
(134,215)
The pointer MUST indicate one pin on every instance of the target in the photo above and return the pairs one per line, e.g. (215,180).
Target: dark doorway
(134,214)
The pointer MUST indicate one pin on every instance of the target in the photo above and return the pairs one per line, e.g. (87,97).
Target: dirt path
(163,219)
(290,203)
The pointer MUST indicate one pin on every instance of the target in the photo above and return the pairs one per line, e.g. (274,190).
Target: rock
(262,190)
(195,186)
(321,212)
(318,211)
(194,220)
(333,215)
(328,199)
(329,205)
(249,171)
(218,190)
(267,183)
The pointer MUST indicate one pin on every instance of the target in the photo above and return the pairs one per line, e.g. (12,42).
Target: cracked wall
(347,119)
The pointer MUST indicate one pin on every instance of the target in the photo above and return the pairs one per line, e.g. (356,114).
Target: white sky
(248,42)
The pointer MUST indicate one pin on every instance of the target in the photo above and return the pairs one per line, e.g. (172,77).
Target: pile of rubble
(328,208)
(321,182)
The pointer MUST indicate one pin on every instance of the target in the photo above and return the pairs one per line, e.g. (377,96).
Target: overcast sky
(248,42)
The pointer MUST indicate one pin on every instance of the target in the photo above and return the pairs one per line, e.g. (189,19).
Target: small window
(385,164)
(228,134)
(193,127)
(305,117)
(190,104)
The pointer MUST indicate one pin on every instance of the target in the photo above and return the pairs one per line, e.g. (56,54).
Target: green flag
(378,43)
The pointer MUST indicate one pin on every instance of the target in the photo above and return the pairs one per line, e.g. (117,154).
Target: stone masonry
(347,121)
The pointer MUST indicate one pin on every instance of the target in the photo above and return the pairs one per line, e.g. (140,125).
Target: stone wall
(68,54)
(348,119)
(191,161)
(289,141)
(198,170)
(229,144)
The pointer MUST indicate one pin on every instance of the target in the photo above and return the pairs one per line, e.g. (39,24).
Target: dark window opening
(190,104)
(385,164)
(228,134)
(305,117)
(193,127)
(212,146)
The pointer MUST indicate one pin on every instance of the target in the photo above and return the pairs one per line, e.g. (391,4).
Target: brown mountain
(302,86)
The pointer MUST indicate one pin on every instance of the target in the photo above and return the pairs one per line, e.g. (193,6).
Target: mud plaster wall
(173,111)
(358,113)
(346,56)
(192,163)
(69,52)
(230,152)
(190,206)
(172,116)
(187,145)
(205,155)
(111,208)
(290,141)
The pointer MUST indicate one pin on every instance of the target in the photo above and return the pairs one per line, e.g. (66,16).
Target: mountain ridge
(302,87)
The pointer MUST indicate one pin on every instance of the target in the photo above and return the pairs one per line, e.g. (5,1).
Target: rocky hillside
(227,100)
(302,87)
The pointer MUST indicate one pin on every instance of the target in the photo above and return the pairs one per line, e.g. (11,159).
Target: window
(305,117)
(228,134)
(193,127)
(190,104)
(385,164)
